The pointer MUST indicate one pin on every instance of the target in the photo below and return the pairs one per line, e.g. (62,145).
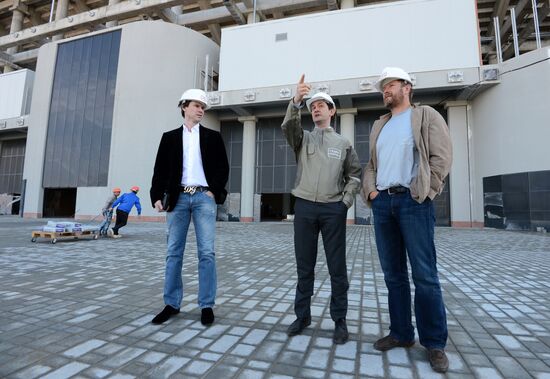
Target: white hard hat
(320,96)
(389,74)
(196,95)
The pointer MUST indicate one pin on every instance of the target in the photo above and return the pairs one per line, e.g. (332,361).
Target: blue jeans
(202,209)
(404,228)
(107,218)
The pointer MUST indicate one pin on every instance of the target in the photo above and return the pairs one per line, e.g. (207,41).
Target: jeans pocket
(208,196)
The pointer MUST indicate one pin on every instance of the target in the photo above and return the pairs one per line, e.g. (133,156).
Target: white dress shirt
(193,172)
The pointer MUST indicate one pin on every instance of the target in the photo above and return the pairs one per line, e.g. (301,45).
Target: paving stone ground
(82,308)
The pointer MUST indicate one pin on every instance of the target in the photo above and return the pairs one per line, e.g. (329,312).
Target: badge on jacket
(334,153)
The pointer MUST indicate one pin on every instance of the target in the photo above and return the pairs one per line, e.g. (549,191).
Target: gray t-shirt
(395,152)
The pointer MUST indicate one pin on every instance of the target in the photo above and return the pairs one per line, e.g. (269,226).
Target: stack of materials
(67,226)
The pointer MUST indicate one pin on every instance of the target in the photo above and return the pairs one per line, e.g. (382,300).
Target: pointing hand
(302,89)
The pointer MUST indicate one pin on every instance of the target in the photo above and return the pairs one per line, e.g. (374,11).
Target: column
(16,26)
(250,18)
(345,4)
(248,168)
(461,175)
(347,129)
(112,23)
(60,13)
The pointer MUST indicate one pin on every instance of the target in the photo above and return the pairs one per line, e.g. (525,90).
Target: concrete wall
(157,63)
(37,130)
(418,35)
(510,123)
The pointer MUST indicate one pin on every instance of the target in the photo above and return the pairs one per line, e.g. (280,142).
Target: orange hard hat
(116,189)
(135,188)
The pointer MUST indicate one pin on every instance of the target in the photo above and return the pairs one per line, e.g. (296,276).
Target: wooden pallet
(53,236)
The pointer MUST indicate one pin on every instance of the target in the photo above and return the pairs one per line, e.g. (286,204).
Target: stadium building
(89,87)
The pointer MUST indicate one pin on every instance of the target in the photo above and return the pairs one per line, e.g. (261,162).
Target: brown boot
(388,343)
(438,360)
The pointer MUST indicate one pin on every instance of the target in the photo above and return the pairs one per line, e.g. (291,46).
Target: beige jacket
(433,142)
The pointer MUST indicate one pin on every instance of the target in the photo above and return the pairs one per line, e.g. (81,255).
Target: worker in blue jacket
(123,207)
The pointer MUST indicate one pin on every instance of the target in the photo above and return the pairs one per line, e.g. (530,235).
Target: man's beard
(394,101)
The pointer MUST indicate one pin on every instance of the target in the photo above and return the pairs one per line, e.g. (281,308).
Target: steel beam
(235,12)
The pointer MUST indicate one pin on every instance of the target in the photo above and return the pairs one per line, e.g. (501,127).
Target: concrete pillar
(461,175)
(16,25)
(60,12)
(248,168)
(347,129)
(345,4)
(112,23)
(250,18)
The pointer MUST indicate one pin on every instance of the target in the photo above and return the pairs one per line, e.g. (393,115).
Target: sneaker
(298,326)
(438,360)
(389,342)
(116,235)
(166,313)
(341,334)
(110,232)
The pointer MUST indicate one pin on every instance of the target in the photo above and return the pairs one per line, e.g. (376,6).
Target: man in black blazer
(191,170)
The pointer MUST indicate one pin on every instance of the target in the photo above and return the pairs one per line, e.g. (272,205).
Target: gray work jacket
(328,167)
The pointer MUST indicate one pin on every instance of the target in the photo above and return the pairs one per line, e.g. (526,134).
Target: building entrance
(276,206)
(59,202)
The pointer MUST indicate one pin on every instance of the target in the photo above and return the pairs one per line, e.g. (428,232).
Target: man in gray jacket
(410,156)
(327,179)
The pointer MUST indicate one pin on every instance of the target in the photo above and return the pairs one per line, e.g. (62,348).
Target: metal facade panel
(275,159)
(232,134)
(421,39)
(81,112)
(12,156)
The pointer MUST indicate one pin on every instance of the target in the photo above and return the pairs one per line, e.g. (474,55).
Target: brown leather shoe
(438,360)
(388,343)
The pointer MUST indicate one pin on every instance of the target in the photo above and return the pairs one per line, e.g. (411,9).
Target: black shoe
(298,326)
(207,316)
(341,334)
(166,313)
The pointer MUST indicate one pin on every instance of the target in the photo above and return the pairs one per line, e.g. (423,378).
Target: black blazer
(169,165)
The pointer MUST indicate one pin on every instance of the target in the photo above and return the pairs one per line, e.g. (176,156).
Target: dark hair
(330,106)
(183,104)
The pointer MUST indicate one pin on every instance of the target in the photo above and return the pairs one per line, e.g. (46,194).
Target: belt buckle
(390,192)
(189,189)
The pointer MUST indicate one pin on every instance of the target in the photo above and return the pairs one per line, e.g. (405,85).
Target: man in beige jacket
(410,156)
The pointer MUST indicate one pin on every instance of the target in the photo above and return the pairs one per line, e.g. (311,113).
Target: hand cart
(53,236)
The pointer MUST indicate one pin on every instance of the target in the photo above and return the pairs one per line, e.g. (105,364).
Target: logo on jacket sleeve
(334,153)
